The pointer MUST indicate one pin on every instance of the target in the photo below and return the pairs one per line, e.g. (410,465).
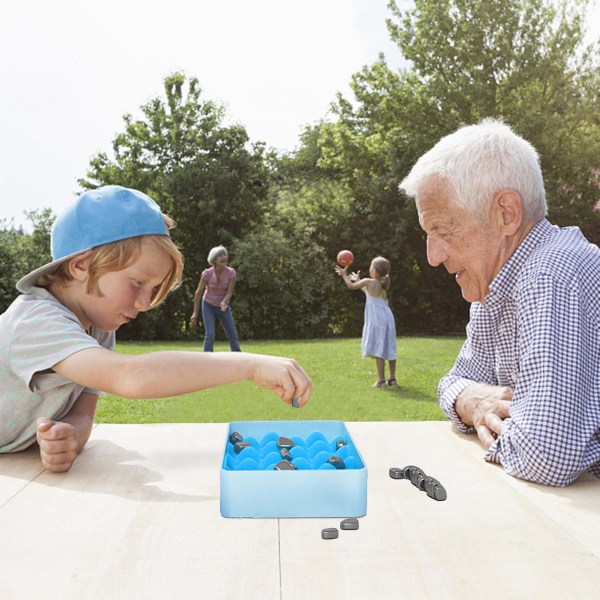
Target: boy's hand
(58,444)
(285,377)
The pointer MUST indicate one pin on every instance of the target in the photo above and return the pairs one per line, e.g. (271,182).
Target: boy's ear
(508,205)
(78,266)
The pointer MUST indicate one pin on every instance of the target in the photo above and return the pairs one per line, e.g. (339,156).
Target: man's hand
(58,444)
(484,407)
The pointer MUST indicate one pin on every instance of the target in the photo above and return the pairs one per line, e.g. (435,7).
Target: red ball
(345,258)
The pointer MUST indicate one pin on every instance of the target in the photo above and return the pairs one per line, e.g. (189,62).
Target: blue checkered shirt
(539,333)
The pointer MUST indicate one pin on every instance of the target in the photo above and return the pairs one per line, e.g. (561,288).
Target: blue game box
(251,486)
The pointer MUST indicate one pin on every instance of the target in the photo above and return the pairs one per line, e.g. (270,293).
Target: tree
(283,286)
(522,61)
(199,170)
(21,253)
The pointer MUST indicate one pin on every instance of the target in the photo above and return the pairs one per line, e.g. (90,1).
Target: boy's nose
(143,300)
(436,252)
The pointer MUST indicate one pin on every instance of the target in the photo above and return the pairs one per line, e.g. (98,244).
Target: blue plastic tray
(250,487)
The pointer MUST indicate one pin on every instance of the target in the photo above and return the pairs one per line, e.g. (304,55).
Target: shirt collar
(505,282)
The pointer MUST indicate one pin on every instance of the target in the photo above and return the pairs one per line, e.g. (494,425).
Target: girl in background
(379,329)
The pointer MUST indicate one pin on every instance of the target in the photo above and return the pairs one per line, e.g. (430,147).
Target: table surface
(138,517)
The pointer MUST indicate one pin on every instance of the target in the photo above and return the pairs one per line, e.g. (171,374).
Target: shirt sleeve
(474,364)
(45,336)
(555,411)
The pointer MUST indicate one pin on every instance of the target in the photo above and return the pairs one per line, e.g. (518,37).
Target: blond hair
(118,255)
(382,267)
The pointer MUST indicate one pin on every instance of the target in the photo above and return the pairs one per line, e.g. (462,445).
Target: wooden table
(137,517)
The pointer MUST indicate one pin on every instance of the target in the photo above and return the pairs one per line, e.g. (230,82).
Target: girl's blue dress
(379,329)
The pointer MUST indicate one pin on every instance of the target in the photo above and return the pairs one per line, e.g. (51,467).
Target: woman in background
(215,289)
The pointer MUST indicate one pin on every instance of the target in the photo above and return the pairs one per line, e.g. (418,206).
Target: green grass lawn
(341,385)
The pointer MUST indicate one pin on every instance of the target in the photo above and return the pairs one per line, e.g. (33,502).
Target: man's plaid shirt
(539,333)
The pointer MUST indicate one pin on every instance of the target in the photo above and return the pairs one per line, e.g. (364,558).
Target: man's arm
(470,394)
(484,408)
(551,436)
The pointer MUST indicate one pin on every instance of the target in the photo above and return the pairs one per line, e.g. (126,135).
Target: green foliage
(282,286)
(341,386)
(523,61)
(12,243)
(284,218)
(200,171)
(20,253)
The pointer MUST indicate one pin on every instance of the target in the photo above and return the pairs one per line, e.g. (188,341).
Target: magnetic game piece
(239,446)
(435,489)
(285,454)
(337,462)
(340,444)
(331,533)
(415,472)
(236,437)
(408,470)
(349,524)
(396,473)
(283,442)
(284,465)
(429,481)
(421,477)
(296,402)
(439,492)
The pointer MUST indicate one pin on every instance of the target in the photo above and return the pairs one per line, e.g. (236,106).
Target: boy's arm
(163,374)
(60,441)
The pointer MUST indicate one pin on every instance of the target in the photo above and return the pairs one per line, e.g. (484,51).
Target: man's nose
(436,252)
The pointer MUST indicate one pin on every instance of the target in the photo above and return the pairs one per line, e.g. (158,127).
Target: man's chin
(469,295)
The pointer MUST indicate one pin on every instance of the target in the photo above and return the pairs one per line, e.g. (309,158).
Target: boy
(112,259)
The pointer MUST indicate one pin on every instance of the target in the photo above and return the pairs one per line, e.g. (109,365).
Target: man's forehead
(435,204)
(434,185)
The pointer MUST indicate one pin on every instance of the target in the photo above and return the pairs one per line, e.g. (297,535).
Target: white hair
(480,160)
(215,253)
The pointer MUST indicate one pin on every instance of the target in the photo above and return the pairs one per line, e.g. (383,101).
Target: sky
(71,69)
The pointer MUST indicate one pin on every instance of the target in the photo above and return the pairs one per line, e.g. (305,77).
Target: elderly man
(527,379)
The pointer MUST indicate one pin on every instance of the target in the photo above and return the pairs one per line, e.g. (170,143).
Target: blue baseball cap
(106,214)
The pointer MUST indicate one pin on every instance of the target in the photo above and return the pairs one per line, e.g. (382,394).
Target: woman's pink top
(216,290)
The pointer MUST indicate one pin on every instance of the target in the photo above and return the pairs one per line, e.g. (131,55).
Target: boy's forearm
(81,417)
(156,374)
(171,373)
(160,374)
(83,425)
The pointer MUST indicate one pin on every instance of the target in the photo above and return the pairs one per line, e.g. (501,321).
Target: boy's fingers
(44,424)
(302,385)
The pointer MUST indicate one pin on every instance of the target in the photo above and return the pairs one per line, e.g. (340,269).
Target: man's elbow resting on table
(525,460)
